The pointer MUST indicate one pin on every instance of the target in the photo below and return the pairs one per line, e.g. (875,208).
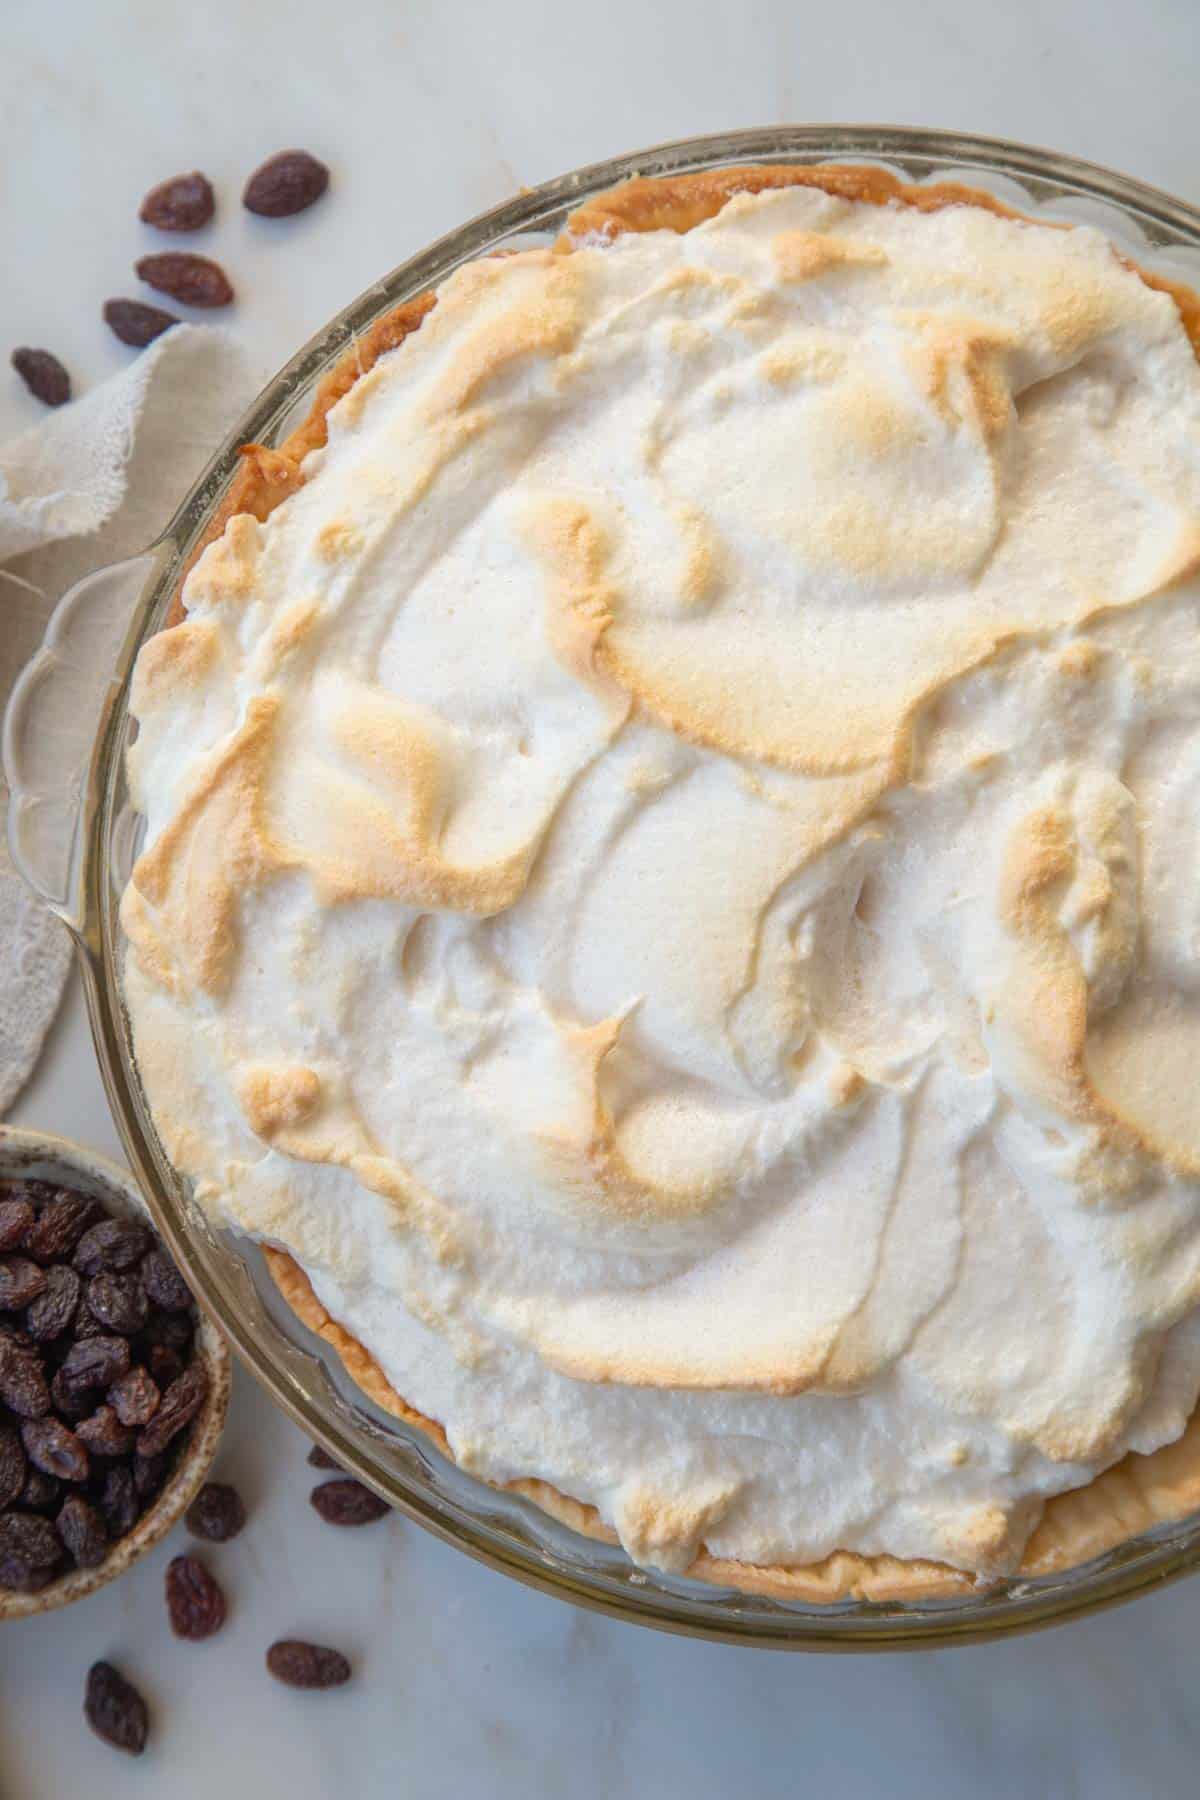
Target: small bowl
(37,1156)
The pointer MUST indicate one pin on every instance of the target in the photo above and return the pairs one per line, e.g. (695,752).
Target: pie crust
(1133,1496)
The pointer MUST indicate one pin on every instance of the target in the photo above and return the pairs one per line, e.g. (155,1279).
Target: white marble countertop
(466,1683)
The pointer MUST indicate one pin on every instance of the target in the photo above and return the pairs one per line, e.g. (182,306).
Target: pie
(669,896)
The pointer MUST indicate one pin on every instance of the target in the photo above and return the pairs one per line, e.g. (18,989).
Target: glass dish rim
(647,1597)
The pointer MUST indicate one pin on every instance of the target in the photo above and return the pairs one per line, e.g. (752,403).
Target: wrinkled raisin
(51,1313)
(23,1386)
(120,1501)
(87,1325)
(82,1530)
(37,1193)
(20,1282)
(70,1402)
(217,1513)
(348,1502)
(286,183)
(25,1578)
(183,203)
(321,1459)
(195,280)
(112,1245)
(115,1710)
(29,1539)
(43,375)
(303,1665)
(164,1284)
(12,1466)
(41,1491)
(134,1398)
(149,1473)
(96,1362)
(195,1603)
(165,1365)
(119,1301)
(104,1433)
(60,1225)
(177,1408)
(16,1216)
(52,1447)
(135,323)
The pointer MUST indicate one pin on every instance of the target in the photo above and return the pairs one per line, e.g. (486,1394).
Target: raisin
(165,1365)
(96,1362)
(217,1513)
(112,1245)
(20,1282)
(87,1325)
(149,1473)
(195,1603)
(82,1531)
(115,1710)
(286,183)
(22,1577)
(348,1502)
(104,1433)
(184,203)
(12,1466)
(303,1665)
(119,1301)
(29,1539)
(59,1226)
(52,1447)
(37,1193)
(41,1491)
(135,323)
(177,1408)
(321,1459)
(134,1398)
(23,1386)
(164,1284)
(16,1216)
(51,1313)
(70,1402)
(120,1501)
(195,280)
(43,375)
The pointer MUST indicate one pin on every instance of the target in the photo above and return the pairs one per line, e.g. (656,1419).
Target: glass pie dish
(75,835)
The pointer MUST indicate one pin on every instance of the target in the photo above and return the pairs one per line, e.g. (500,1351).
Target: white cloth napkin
(90,484)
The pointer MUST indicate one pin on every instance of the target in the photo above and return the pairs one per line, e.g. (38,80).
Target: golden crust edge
(1133,1496)
(1124,1501)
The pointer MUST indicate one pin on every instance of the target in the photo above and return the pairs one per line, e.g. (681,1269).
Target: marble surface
(466,1683)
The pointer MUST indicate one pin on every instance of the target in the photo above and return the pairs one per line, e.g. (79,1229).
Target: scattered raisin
(195,1603)
(135,323)
(348,1502)
(112,1245)
(286,183)
(195,280)
(54,1448)
(217,1513)
(12,1466)
(177,1408)
(184,203)
(83,1532)
(115,1710)
(119,1301)
(41,1491)
(23,1386)
(51,1313)
(120,1501)
(104,1433)
(134,1398)
(303,1665)
(20,1282)
(16,1216)
(60,1225)
(164,1284)
(43,375)
(321,1459)
(96,1362)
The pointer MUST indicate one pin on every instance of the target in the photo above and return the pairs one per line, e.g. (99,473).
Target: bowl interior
(503,1530)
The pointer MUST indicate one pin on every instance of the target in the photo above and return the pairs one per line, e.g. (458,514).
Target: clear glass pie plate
(74,835)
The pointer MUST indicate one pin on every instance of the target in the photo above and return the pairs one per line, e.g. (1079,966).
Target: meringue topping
(669,875)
